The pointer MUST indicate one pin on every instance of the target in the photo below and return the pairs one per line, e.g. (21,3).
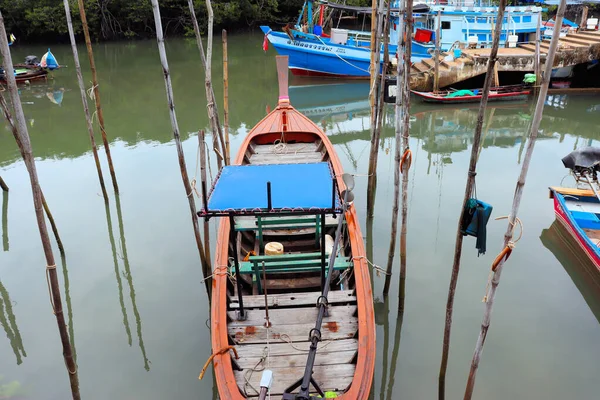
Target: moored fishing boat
(579,209)
(500,93)
(291,290)
(23,75)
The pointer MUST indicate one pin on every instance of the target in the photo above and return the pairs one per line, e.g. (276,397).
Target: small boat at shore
(579,209)
(24,75)
(292,306)
(500,93)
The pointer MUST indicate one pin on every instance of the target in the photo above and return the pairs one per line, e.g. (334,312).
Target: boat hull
(315,56)
(563,215)
(300,129)
(32,76)
(429,97)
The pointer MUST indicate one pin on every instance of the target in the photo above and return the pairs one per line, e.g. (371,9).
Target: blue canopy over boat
(242,189)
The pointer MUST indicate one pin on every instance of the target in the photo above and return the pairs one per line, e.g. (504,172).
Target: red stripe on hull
(317,74)
(566,222)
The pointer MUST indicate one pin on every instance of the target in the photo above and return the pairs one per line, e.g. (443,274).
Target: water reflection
(582,271)
(32,93)
(9,323)
(128,277)
(65,270)
(5,221)
(395,352)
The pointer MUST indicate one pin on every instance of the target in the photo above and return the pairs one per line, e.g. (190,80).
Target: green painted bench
(288,263)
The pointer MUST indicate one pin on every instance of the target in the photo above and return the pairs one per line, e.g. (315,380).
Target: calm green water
(134,299)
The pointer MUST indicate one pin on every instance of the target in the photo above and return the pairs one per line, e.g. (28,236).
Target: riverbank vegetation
(44,20)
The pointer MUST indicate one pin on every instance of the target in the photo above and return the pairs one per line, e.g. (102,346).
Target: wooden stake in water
(226,98)
(86,110)
(184,175)
(39,213)
(402,158)
(468,193)
(3,185)
(374,56)
(537,62)
(436,61)
(99,113)
(512,219)
(213,114)
(5,243)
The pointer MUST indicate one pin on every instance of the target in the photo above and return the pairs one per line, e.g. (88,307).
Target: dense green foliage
(37,20)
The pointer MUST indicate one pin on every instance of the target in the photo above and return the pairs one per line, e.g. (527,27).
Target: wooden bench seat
(289,263)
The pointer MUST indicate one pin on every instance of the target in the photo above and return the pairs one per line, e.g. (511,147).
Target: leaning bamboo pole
(376,110)
(213,113)
(468,192)
(13,127)
(86,110)
(202,149)
(184,175)
(512,218)
(96,89)
(5,243)
(402,151)
(226,97)
(51,274)
(3,185)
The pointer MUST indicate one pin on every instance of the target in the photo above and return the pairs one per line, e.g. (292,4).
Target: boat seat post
(241,313)
(323,262)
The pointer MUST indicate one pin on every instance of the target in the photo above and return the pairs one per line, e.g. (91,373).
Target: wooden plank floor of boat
(283,347)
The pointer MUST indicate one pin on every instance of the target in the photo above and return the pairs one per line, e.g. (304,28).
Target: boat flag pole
(322,303)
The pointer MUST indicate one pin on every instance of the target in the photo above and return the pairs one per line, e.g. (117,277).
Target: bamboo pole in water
(100,114)
(226,98)
(201,137)
(468,192)
(512,219)
(86,110)
(213,113)
(5,245)
(374,56)
(184,175)
(376,109)
(3,185)
(9,119)
(37,200)
(537,62)
(402,147)
(436,65)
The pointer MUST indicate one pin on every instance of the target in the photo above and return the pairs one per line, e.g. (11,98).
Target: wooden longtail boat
(304,182)
(27,75)
(500,93)
(579,209)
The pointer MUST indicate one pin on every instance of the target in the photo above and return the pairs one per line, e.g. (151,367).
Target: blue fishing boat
(345,53)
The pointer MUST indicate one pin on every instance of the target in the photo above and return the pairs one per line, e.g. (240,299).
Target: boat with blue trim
(579,209)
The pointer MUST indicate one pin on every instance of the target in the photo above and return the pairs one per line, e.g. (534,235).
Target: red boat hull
(508,96)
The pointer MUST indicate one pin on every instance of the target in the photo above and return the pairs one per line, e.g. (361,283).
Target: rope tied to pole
(213,355)
(406,158)
(503,255)
(48,269)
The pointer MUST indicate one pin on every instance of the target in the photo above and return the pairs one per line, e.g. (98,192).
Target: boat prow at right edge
(577,209)
(292,312)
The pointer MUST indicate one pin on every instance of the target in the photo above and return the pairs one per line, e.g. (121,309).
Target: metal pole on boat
(241,314)
(512,219)
(468,193)
(202,150)
(587,177)
(86,110)
(96,90)
(322,251)
(177,137)
(50,270)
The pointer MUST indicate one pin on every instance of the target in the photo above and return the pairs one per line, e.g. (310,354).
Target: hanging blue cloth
(50,61)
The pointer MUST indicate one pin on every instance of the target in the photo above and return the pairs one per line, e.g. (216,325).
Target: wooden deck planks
(294,299)
(281,348)
(329,378)
(286,158)
(295,316)
(293,148)
(340,357)
(332,330)
(249,223)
